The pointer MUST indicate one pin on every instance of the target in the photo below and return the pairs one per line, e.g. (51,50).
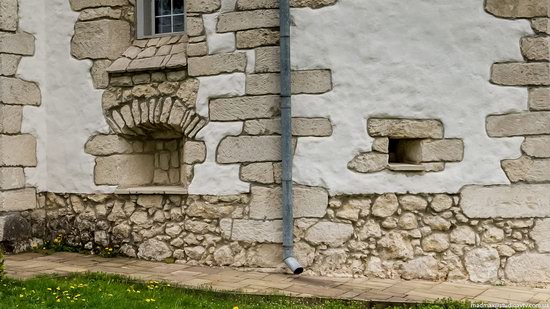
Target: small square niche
(405,155)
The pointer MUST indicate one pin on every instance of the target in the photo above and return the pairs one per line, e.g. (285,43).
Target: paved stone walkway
(31,264)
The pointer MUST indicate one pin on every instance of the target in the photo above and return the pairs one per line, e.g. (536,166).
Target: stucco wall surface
(70,112)
(427,60)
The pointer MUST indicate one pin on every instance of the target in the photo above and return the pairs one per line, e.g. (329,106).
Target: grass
(101,291)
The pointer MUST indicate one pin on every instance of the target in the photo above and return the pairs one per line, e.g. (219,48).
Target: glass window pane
(178,7)
(162,7)
(163,24)
(178,23)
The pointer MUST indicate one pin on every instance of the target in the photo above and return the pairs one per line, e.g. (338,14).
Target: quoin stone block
(242,108)
(18,200)
(18,150)
(405,128)
(100,39)
(518,124)
(235,149)
(235,21)
(521,74)
(506,201)
(266,202)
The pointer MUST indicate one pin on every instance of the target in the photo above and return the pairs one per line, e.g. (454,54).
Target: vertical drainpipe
(286,140)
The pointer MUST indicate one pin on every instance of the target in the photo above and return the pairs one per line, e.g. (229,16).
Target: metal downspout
(286,140)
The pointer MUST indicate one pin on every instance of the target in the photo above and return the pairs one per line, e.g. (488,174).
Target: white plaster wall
(420,59)
(71,108)
(427,59)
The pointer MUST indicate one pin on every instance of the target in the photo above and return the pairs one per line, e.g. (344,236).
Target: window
(160,17)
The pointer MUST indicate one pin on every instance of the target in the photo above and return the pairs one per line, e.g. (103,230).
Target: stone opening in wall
(405,155)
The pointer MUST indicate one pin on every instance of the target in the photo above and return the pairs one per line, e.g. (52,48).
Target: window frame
(145,20)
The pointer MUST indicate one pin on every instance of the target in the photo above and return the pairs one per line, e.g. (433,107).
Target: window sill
(174,190)
(403,167)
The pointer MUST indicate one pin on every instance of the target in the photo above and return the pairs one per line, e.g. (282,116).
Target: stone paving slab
(28,265)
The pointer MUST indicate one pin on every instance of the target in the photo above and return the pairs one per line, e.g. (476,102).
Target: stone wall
(381,236)
(17,149)
(202,109)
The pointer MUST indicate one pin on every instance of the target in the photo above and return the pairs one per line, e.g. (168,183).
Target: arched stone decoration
(158,118)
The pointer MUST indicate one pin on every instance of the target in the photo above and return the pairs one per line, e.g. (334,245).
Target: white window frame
(145,20)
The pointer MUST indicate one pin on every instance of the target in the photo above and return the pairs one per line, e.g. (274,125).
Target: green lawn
(100,291)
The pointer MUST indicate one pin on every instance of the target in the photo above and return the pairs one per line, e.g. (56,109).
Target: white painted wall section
(71,108)
(430,59)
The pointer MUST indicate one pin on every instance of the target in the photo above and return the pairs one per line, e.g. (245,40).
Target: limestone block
(405,128)
(527,169)
(102,12)
(528,267)
(11,178)
(308,81)
(13,228)
(516,201)
(100,76)
(267,59)
(8,64)
(517,8)
(272,4)
(10,118)
(195,26)
(8,15)
(447,150)
(234,149)
(539,98)
(202,6)
(100,39)
(104,145)
(329,233)
(18,200)
(194,152)
(385,205)
(300,127)
(424,268)
(257,231)
(154,250)
(217,64)
(197,49)
(78,5)
(521,74)
(124,170)
(381,144)
(517,124)
(309,202)
(257,37)
(369,162)
(243,20)
(482,264)
(19,92)
(242,108)
(17,150)
(17,43)
(536,48)
(541,25)
(258,172)
(537,146)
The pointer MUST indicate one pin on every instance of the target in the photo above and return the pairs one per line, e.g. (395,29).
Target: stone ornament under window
(407,145)
(159,17)
(150,106)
